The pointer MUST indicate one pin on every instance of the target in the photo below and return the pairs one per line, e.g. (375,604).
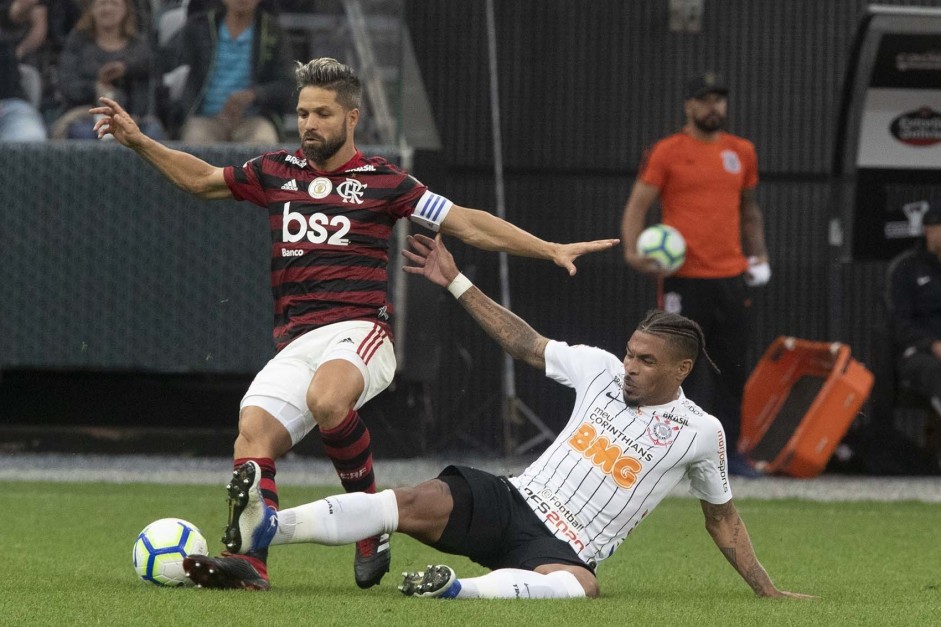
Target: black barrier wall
(107,266)
(102,264)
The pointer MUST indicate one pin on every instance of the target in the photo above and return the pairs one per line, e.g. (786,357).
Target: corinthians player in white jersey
(632,436)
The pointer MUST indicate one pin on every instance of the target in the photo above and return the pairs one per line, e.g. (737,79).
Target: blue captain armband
(431,210)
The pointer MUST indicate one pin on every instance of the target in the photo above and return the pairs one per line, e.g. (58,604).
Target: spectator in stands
(104,56)
(19,119)
(913,297)
(28,22)
(239,76)
(64,15)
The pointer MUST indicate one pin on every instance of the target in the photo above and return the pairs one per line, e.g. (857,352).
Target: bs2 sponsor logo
(296,226)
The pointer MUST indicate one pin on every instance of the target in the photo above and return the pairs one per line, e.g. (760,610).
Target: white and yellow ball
(160,548)
(664,245)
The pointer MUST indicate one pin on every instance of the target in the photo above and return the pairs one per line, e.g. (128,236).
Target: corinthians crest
(663,430)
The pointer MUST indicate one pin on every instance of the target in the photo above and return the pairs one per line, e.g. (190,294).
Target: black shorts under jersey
(492,524)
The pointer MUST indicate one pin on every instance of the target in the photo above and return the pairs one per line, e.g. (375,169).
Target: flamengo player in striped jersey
(331,212)
(632,436)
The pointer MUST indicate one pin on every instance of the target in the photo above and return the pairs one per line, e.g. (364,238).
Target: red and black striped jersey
(330,235)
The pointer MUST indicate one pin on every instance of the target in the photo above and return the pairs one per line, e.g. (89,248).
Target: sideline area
(392,473)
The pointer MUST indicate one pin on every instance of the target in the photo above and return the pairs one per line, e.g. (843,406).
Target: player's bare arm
(632,223)
(488,232)
(431,259)
(729,533)
(753,227)
(518,339)
(189,173)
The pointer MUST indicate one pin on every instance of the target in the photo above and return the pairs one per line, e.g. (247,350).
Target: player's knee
(586,580)
(590,584)
(260,434)
(328,412)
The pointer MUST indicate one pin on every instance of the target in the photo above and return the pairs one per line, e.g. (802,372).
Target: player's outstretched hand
(429,258)
(116,121)
(566,254)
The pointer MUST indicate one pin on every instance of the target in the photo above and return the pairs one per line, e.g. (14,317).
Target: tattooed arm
(510,331)
(431,259)
(730,535)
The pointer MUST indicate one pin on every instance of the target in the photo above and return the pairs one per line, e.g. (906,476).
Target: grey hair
(331,75)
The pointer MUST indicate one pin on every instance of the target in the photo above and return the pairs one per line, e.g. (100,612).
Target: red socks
(347,446)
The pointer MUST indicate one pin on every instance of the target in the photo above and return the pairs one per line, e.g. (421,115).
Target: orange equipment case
(798,404)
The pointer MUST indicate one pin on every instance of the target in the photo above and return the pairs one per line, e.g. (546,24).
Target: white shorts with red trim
(287,376)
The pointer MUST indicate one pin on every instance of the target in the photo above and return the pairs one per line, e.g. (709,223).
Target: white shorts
(281,386)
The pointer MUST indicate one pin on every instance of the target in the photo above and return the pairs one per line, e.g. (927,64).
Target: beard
(632,399)
(321,152)
(710,123)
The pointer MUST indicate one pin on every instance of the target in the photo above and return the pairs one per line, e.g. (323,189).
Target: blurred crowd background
(150,310)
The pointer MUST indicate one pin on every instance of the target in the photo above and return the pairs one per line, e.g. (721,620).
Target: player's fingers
(416,259)
(108,102)
(418,238)
(425,240)
(418,246)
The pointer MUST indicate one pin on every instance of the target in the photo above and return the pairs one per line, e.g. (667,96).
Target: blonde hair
(86,23)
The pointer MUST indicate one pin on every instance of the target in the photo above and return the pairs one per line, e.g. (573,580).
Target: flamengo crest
(351,191)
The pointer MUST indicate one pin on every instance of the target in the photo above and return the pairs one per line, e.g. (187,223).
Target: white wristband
(459,285)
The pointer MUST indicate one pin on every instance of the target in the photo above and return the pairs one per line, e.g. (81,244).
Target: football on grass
(160,548)
(664,244)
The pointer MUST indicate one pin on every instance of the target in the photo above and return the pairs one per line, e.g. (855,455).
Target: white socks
(348,518)
(341,519)
(512,583)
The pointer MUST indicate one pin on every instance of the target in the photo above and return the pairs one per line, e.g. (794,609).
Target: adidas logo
(346,339)
(291,186)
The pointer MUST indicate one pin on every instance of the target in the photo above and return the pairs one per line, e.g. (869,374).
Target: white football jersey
(612,464)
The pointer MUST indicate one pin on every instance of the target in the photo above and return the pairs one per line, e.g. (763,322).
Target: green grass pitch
(66,556)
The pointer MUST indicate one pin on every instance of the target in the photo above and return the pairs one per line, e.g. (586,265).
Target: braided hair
(680,332)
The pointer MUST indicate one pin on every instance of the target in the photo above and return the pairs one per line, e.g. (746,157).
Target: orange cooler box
(798,404)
